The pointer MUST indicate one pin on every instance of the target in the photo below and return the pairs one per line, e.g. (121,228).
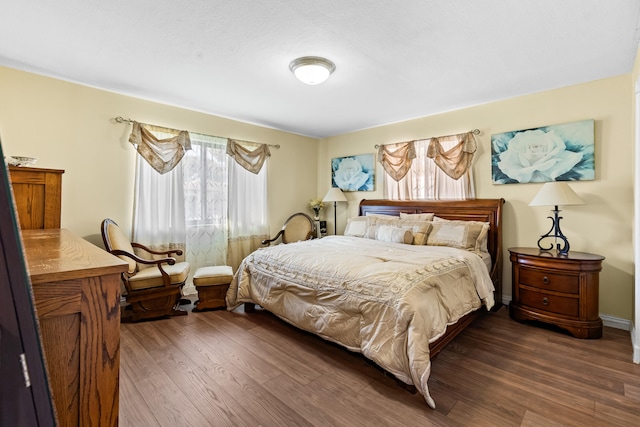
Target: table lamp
(556,193)
(335,195)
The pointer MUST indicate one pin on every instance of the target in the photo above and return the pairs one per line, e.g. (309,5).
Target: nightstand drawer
(551,281)
(552,303)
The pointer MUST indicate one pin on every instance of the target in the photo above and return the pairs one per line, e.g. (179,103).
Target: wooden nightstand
(557,289)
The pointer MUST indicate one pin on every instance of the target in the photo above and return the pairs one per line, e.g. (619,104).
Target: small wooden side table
(558,289)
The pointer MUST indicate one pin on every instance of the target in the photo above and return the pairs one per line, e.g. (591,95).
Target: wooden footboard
(452,331)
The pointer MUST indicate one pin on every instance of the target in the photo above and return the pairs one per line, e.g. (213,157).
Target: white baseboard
(615,322)
(635,344)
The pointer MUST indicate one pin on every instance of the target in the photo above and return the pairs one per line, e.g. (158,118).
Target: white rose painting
(552,153)
(353,173)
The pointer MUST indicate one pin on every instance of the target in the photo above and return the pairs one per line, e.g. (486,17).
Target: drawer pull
(545,301)
(545,280)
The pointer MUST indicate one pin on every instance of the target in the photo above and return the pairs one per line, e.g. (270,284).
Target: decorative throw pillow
(387,233)
(420,229)
(418,216)
(371,232)
(356,226)
(469,235)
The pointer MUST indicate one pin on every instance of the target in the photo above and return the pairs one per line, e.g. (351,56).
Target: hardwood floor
(224,368)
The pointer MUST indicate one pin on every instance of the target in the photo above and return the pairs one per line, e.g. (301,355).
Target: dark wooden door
(25,399)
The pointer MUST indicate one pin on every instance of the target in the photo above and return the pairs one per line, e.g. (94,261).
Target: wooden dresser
(37,193)
(76,288)
(558,289)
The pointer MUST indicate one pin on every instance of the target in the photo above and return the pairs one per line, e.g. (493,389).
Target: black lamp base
(556,234)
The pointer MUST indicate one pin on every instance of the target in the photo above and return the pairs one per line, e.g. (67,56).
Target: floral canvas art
(353,173)
(562,152)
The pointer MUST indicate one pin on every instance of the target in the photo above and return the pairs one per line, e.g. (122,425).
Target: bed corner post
(496,272)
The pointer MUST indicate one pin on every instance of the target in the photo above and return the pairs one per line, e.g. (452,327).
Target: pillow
(356,226)
(376,215)
(419,216)
(371,232)
(388,233)
(420,229)
(469,235)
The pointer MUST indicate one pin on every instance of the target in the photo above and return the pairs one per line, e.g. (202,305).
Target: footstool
(211,284)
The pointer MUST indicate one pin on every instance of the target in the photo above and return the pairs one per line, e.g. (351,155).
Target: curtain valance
(396,158)
(162,154)
(251,160)
(456,161)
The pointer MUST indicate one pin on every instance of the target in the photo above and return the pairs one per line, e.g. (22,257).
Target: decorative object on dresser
(37,193)
(335,195)
(559,289)
(21,160)
(555,194)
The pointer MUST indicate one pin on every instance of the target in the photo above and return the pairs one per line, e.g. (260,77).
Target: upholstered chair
(153,291)
(298,226)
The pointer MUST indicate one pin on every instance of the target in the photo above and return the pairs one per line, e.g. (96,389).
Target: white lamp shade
(334,195)
(557,193)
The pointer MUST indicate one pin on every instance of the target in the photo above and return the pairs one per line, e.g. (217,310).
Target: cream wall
(71,127)
(601,226)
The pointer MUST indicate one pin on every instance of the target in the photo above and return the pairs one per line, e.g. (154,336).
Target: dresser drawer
(567,306)
(552,281)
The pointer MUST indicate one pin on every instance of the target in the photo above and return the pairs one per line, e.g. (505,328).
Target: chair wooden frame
(282,232)
(151,302)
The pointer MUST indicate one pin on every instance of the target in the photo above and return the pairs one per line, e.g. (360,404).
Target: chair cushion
(119,240)
(216,275)
(152,278)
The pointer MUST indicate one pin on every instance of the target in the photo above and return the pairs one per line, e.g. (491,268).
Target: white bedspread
(385,300)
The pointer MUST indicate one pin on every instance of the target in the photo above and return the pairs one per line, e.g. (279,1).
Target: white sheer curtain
(208,205)
(248,222)
(425,180)
(205,174)
(158,211)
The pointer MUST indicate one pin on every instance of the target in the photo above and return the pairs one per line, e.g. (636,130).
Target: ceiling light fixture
(312,70)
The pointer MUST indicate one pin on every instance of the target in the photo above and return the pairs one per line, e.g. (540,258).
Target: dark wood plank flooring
(222,368)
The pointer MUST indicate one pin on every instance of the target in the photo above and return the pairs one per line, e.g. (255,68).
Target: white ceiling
(394,60)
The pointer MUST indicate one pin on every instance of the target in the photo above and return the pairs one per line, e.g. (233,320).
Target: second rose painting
(562,152)
(353,173)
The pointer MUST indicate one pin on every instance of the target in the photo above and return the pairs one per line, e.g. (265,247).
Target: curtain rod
(475,132)
(121,119)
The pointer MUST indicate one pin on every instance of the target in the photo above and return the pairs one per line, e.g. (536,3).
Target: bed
(396,302)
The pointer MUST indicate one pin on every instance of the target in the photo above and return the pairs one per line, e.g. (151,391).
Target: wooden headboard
(485,210)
